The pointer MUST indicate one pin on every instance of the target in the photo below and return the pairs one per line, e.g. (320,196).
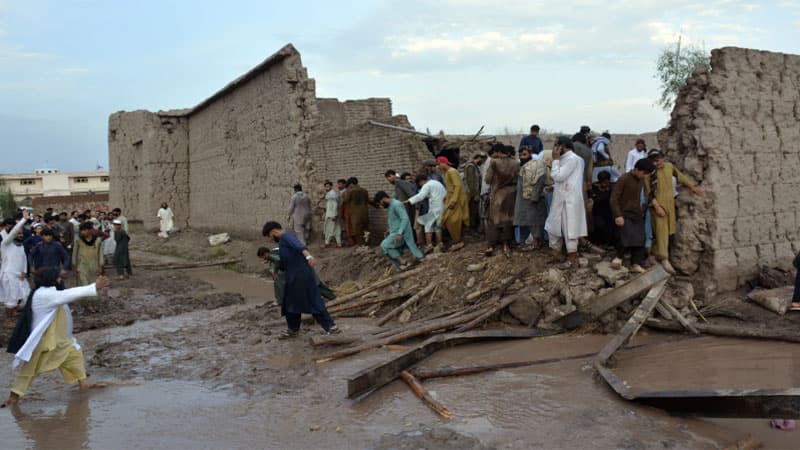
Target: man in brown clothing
(628,211)
(502,179)
(357,201)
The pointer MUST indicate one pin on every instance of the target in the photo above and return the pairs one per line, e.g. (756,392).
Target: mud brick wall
(69,203)
(148,163)
(736,129)
(367,152)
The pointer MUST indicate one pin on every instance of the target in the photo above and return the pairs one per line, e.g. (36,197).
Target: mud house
(230,162)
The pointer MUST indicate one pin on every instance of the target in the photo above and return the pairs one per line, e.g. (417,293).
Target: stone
(558,312)
(470,282)
(679,294)
(776,300)
(583,262)
(476,267)
(527,310)
(609,274)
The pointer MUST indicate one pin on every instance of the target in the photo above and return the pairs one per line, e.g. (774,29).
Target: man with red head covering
(456,212)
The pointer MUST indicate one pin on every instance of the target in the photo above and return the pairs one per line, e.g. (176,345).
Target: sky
(452,65)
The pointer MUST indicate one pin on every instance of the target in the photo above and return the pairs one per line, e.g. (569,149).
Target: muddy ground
(197,364)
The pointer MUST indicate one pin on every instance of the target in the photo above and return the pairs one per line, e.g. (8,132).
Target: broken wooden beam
(408,303)
(489,313)
(633,324)
(614,298)
(370,301)
(679,317)
(383,373)
(738,331)
(377,285)
(423,395)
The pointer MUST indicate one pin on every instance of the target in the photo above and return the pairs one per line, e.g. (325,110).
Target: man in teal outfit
(400,236)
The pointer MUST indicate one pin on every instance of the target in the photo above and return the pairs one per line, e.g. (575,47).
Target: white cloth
(633,157)
(165,216)
(15,263)
(109,245)
(485,168)
(331,204)
(46,302)
(567,217)
(435,192)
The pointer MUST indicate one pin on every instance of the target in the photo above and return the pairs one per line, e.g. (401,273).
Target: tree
(674,66)
(7,204)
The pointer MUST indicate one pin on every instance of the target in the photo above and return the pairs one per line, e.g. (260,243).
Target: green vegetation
(674,66)
(7,204)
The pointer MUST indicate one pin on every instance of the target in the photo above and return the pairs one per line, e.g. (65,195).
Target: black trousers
(796,297)
(637,254)
(324,319)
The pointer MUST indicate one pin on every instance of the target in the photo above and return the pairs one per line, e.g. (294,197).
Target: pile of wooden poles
(459,320)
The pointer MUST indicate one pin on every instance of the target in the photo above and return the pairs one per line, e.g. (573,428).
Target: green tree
(674,66)
(7,204)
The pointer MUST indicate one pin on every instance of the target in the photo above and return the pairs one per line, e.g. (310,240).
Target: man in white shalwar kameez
(50,344)
(566,222)
(166,224)
(14,287)
(435,193)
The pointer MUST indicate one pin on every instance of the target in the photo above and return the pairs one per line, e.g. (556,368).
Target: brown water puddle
(256,290)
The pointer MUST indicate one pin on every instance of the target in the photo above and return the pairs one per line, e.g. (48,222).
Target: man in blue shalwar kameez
(400,236)
(301,293)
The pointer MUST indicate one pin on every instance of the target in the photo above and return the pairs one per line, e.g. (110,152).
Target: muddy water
(559,405)
(255,289)
(712,363)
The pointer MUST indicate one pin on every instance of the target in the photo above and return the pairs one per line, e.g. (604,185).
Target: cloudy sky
(451,65)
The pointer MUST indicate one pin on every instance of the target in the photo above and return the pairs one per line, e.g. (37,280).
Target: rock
(527,310)
(773,278)
(610,275)
(583,262)
(218,239)
(582,297)
(255,340)
(476,267)
(558,312)
(405,316)
(470,282)
(776,300)
(679,294)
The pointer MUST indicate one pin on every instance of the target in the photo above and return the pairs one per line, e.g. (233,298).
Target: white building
(51,182)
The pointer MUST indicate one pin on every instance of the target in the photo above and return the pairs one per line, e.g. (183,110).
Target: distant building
(51,183)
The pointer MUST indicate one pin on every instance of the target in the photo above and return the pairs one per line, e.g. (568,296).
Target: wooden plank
(679,317)
(740,331)
(489,313)
(383,373)
(406,304)
(614,298)
(636,320)
(426,398)
(382,283)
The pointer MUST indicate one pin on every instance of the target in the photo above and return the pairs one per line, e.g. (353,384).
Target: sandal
(288,334)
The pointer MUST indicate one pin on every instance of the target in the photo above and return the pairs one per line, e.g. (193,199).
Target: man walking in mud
(43,341)
(301,293)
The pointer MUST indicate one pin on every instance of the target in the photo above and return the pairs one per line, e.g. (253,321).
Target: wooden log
(383,283)
(406,304)
(385,372)
(448,315)
(663,311)
(480,293)
(370,301)
(333,340)
(457,372)
(679,317)
(419,331)
(487,314)
(614,298)
(423,395)
(739,331)
(633,324)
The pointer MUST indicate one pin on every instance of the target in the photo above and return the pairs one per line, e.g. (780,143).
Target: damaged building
(230,162)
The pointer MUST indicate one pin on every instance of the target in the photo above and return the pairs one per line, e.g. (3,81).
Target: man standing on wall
(456,213)
(300,213)
(566,223)
(659,193)
(532,142)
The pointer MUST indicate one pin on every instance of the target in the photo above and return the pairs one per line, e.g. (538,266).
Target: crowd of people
(570,198)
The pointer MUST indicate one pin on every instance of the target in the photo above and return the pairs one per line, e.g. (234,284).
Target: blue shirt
(533,143)
(49,255)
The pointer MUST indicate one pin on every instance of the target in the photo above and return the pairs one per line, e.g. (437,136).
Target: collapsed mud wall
(230,162)
(735,130)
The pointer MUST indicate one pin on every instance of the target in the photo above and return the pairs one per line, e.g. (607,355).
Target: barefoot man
(49,345)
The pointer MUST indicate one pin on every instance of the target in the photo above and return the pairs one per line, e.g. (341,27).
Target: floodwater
(560,405)
(255,290)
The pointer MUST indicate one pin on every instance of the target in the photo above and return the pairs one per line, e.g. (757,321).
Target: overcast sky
(449,65)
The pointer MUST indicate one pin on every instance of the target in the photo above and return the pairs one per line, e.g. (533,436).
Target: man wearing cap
(472,186)
(400,235)
(456,213)
(122,258)
(566,223)
(87,259)
(530,208)
(434,192)
(628,212)
(660,198)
